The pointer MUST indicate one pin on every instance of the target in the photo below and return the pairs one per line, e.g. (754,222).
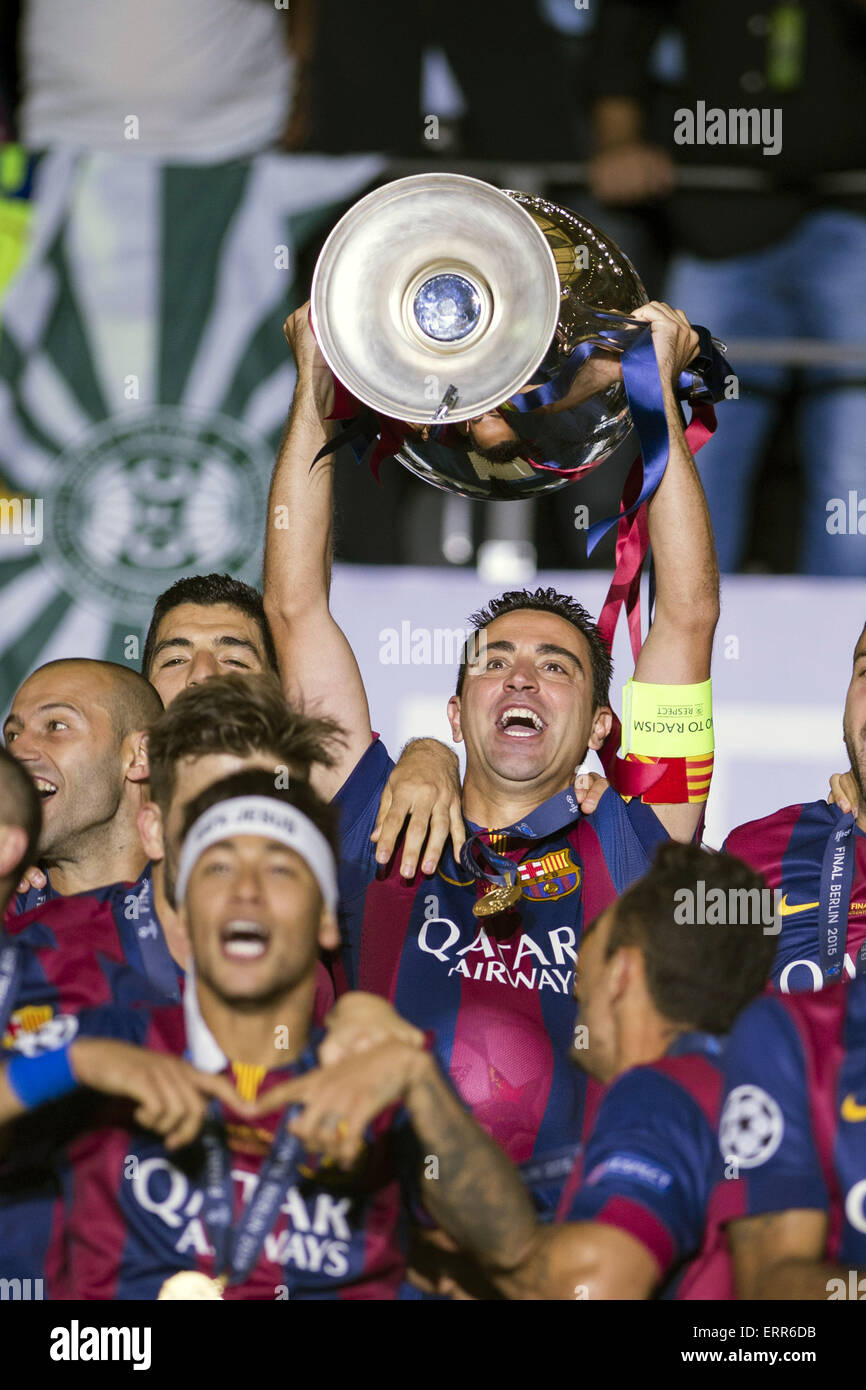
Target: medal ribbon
(237,1256)
(837,880)
(156,959)
(552,815)
(646,402)
(705,381)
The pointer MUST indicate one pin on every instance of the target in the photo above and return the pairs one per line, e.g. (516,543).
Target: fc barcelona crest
(554,875)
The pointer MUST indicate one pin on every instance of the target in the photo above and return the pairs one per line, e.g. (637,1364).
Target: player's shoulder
(696,1076)
(661,1093)
(779,1033)
(830,1018)
(611,809)
(166,1031)
(145,1023)
(765,833)
(60,914)
(623,824)
(366,780)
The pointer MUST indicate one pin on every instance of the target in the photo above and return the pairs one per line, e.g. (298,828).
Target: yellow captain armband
(671,725)
(667,721)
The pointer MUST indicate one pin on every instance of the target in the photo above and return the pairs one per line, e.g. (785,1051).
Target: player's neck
(502,803)
(107,854)
(268,1035)
(644,1037)
(176,938)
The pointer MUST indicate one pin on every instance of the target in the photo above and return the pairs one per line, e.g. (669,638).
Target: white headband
(260,815)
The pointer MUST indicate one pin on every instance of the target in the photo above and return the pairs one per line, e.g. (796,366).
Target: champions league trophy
(476,335)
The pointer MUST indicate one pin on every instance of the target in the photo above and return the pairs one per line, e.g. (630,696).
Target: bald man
(77,727)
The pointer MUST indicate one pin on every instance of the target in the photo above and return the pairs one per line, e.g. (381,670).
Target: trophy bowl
(483,328)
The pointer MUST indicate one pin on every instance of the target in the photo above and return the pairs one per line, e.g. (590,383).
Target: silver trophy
(483,328)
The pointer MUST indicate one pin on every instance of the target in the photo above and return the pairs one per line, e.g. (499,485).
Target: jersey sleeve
(128,1024)
(646,1167)
(629,834)
(357,803)
(765,1133)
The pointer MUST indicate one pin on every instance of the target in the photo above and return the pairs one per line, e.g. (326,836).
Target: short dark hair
(563,606)
(239,714)
(132,703)
(208,590)
(20,805)
(699,975)
(255,782)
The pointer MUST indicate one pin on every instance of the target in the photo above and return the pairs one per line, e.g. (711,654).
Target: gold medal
(191,1284)
(498,900)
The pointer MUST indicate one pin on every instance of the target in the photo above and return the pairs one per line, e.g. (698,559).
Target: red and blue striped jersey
(495,992)
(787,847)
(793,1127)
(103,946)
(80,940)
(77,953)
(648,1166)
(134,1215)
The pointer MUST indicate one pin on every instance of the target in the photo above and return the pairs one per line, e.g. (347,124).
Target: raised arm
(317,665)
(679,645)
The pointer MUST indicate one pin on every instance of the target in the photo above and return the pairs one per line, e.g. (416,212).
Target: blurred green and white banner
(144,383)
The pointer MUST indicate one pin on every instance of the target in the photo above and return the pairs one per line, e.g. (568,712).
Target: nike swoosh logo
(852,1111)
(787,909)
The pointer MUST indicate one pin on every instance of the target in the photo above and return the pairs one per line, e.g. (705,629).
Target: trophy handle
(703,379)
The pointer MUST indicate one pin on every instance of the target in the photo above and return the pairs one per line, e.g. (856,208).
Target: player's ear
(454,718)
(602,722)
(13,843)
(150,830)
(329,932)
(620,972)
(136,767)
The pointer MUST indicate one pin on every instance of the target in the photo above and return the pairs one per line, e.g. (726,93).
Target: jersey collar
(202,1047)
(204,1051)
(709,1043)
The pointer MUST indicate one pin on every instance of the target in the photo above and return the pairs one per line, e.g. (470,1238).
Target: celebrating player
(814,855)
(78,728)
(655,995)
(204,626)
(209,731)
(491,972)
(123,942)
(210,625)
(169,1093)
(247,1206)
